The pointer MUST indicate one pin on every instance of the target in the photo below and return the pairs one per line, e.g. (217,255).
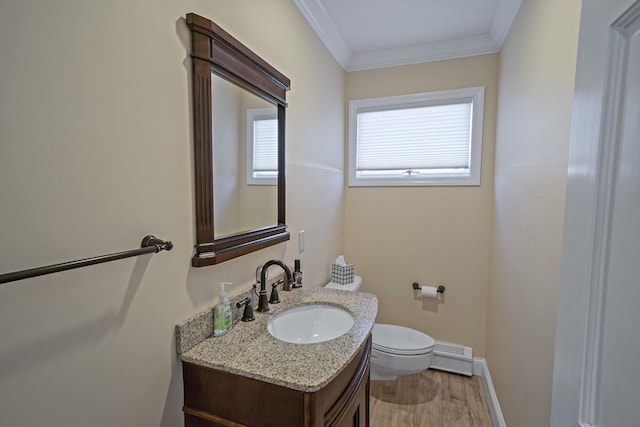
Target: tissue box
(342,274)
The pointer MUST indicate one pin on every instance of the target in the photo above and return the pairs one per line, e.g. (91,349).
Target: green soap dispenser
(222,314)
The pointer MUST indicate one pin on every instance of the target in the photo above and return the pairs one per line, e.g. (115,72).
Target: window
(262,146)
(423,139)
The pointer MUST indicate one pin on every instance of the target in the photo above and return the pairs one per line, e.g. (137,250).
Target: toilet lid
(351,287)
(401,340)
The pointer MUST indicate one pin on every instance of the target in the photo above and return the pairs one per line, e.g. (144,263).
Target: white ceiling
(365,34)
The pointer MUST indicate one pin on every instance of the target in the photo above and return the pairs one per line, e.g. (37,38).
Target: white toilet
(396,350)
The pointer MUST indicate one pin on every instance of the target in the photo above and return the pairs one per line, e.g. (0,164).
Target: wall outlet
(301,241)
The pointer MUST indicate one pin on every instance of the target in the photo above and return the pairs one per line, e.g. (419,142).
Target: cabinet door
(356,414)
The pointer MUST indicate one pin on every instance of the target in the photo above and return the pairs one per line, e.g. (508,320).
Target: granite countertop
(249,350)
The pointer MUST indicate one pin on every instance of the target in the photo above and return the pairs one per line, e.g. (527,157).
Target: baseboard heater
(452,358)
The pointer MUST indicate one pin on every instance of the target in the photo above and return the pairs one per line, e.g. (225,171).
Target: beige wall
(399,235)
(537,66)
(95,153)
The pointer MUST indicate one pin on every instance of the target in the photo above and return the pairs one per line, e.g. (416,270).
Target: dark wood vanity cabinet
(214,398)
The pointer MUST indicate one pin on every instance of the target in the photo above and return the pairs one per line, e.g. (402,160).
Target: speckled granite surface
(199,327)
(249,350)
(194,330)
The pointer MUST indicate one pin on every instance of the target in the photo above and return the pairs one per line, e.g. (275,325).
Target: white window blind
(265,145)
(433,137)
(262,146)
(422,139)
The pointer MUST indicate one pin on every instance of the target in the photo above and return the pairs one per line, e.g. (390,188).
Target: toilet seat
(400,340)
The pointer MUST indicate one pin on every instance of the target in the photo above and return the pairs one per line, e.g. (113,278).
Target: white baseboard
(481,369)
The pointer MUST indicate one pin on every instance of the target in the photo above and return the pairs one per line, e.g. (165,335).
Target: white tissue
(340,260)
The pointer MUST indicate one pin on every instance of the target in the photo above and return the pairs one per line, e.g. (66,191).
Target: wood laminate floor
(429,399)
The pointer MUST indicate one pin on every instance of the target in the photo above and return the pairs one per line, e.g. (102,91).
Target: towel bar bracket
(158,243)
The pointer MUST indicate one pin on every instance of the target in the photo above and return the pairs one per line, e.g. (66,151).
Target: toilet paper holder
(417,286)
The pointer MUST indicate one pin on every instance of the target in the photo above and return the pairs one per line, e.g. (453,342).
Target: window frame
(473,94)
(254,114)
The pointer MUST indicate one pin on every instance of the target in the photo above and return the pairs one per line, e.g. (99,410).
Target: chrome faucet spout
(263,302)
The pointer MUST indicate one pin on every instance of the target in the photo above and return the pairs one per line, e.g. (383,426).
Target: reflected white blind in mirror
(265,145)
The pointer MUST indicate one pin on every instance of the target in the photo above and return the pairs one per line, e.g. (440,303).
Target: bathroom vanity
(249,378)
(214,398)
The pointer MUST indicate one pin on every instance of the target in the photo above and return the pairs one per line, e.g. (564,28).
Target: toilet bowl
(396,350)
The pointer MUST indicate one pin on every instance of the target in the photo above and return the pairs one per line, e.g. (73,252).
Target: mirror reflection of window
(239,116)
(262,146)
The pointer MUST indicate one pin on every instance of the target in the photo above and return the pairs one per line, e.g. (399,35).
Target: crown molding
(481,44)
(448,49)
(502,20)
(323,25)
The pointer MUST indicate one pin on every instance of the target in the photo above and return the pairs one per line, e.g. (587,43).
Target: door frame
(591,183)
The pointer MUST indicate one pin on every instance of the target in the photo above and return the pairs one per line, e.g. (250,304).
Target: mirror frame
(213,50)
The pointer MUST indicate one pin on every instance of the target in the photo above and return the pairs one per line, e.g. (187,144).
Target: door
(596,376)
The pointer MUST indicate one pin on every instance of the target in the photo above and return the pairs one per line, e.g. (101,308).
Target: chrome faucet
(263,303)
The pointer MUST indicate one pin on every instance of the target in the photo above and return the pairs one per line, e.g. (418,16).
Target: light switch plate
(301,241)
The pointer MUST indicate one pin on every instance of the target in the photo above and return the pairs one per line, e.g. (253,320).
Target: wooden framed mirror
(227,227)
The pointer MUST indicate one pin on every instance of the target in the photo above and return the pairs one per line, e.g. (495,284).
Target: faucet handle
(247,315)
(275,298)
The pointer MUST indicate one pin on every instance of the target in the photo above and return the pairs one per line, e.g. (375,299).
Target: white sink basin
(308,324)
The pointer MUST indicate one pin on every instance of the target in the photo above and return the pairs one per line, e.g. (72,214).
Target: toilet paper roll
(429,292)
